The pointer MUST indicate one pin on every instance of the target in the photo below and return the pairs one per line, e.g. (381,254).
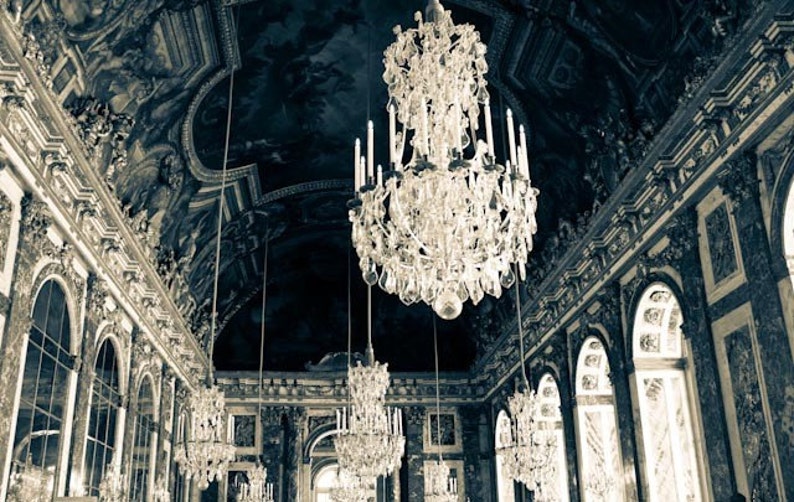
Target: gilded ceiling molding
(44,138)
(740,96)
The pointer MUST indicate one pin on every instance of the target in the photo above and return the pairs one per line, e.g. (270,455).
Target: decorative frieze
(739,178)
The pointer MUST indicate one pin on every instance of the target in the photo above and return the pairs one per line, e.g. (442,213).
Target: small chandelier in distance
(529,450)
(369,440)
(206,455)
(257,489)
(447,225)
(348,488)
(441,487)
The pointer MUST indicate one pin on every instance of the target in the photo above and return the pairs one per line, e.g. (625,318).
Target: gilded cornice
(330,389)
(734,105)
(41,135)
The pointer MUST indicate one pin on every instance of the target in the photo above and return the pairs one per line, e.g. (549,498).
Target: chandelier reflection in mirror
(30,483)
(446,226)
(257,489)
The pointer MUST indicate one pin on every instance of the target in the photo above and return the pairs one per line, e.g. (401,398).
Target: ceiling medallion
(447,225)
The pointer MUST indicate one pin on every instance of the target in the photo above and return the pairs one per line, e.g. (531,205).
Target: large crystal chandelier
(349,488)
(206,454)
(529,450)
(369,435)
(446,225)
(257,488)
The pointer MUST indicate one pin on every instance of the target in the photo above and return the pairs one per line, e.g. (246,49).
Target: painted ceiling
(593,80)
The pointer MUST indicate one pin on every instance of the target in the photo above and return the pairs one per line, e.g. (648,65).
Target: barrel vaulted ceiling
(593,80)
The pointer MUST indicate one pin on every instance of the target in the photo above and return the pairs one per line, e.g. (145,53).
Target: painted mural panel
(721,247)
(750,416)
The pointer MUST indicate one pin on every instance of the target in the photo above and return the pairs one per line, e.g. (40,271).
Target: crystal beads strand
(446,226)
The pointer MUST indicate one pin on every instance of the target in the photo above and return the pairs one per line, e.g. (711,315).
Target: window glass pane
(44,388)
(105,400)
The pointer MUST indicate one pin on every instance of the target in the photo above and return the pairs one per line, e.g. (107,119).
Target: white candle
(356,164)
(380,175)
(370,150)
(511,136)
(488,128)
(523,163)
(392,136)
(338,421)
(363,172)
(459,128)
(425,129)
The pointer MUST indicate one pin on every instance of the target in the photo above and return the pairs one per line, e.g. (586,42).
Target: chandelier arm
(214,315)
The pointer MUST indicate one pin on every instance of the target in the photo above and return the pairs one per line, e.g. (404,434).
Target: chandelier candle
(446,222)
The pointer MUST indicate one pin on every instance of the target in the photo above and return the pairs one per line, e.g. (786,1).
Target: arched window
(504,485)
(670,464)
(45,385)
(596,426)
(324,482)
(788,232)
(551,423)
(102,422)
(142,458)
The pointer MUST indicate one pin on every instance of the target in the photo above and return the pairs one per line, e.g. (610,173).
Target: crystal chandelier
(529,451)
(257,489)
(348,488)
(445,226)
(369,438)
(113,486)
(206,455)
(439,486)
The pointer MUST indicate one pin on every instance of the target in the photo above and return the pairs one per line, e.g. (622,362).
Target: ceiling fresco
(593,80)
